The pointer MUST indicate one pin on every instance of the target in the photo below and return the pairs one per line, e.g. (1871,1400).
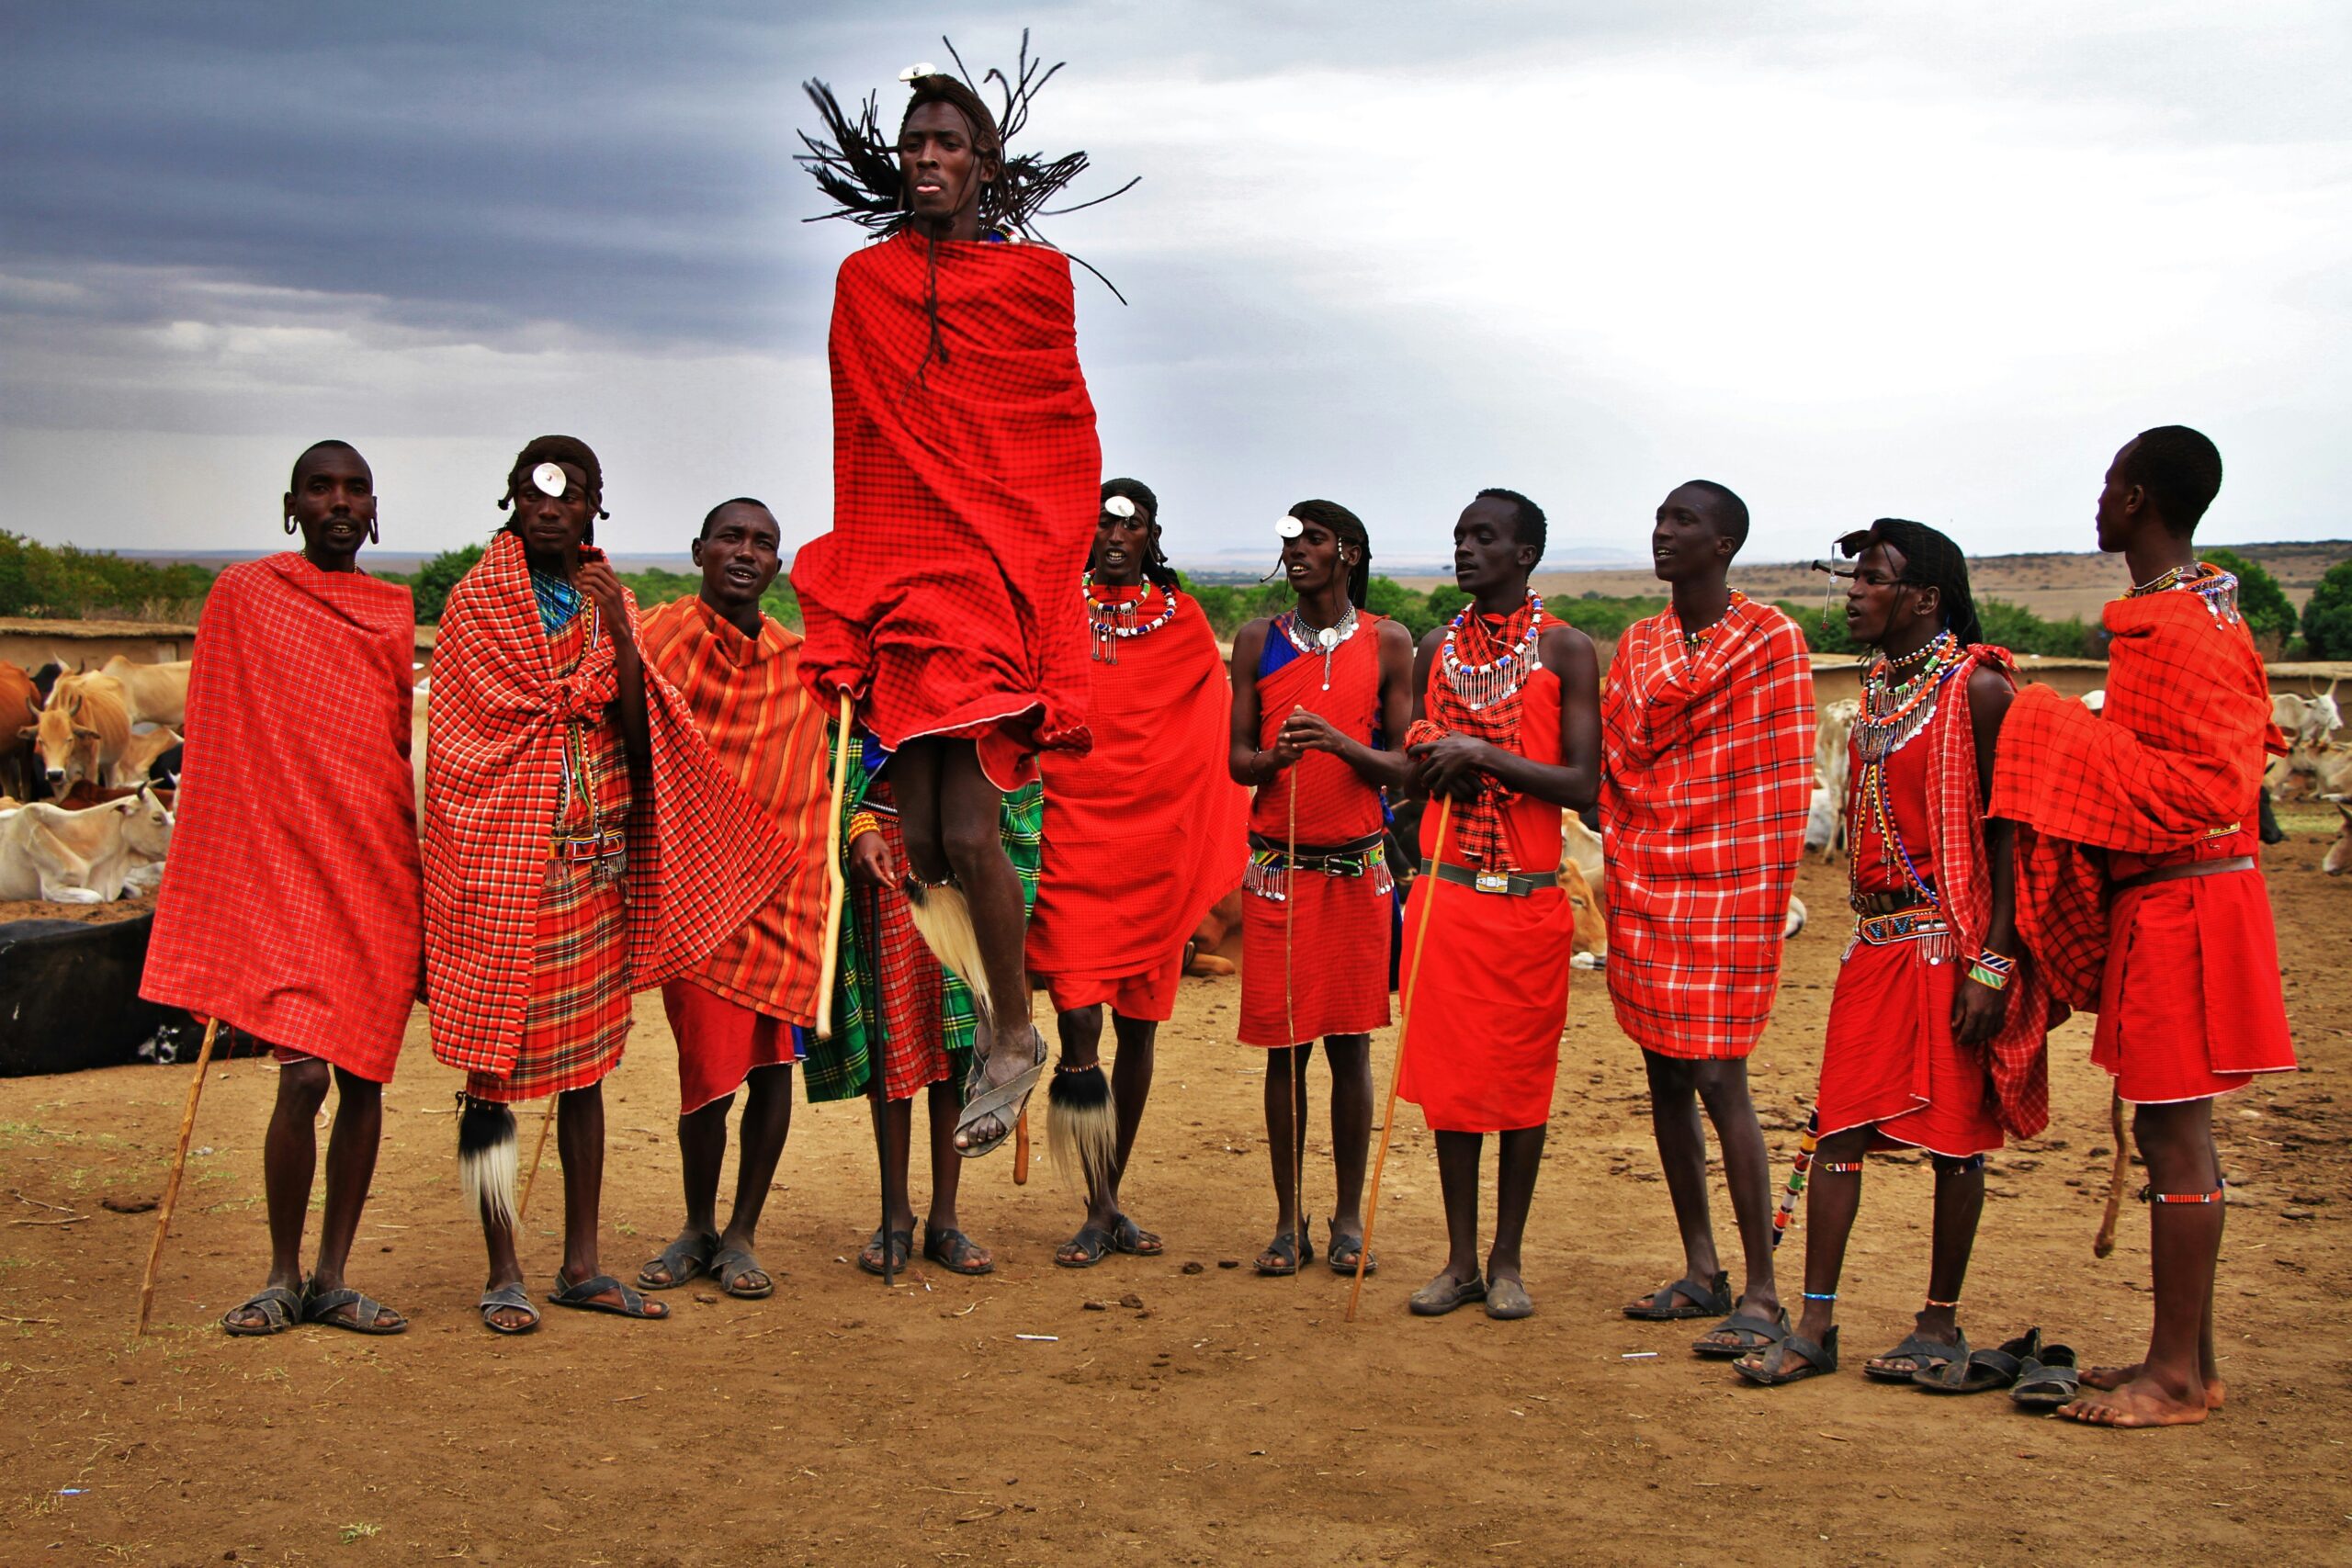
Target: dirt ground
(1224,1418)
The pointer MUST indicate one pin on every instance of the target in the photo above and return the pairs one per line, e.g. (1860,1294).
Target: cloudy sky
(1935,259)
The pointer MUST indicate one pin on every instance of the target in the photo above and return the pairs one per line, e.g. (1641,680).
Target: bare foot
(2116,1377)
(2142,1402)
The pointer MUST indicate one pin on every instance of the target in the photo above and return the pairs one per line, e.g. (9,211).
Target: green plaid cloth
(836,1068)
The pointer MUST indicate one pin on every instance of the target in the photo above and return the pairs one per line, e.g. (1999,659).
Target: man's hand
(1977,1011)
(1448,765)
(603,588)
(869,862)
(1304,731)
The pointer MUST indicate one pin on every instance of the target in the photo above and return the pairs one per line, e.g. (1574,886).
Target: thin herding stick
(179,1168)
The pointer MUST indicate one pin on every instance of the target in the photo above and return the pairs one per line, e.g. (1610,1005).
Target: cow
(2339,853)
(82,731)
(85,857)
(1821,821)
(152,694)
(69,997)
(2309,771)
(1590,934)
(1832,765)
(18,695)
(45,676)
(138,762)
(1795,921)
(1224,917)
(1582,845)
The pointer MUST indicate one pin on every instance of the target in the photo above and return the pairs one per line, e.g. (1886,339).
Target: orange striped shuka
(699,856)
(747,698)
(1708,778)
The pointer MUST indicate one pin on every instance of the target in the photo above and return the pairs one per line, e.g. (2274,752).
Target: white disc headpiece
(1119,506)
(1289,527)
(920,68)
(548,479)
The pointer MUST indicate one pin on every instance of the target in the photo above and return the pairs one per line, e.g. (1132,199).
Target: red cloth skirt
(720,1042)
(2189,1005)
(1338,960)
(1891,1061)
(575,1019)
(1149,996)
(1488,1002)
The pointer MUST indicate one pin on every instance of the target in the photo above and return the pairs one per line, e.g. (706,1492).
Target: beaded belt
(1351,858)
(1908,924)
(600,845)
(1887,903)
(2187,868)
(1512,883)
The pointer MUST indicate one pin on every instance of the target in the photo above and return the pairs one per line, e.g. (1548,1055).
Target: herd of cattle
(87,813)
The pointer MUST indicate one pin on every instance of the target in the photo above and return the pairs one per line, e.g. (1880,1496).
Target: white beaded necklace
(1327,639)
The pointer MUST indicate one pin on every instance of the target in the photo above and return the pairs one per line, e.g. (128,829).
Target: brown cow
(82,732)
(2339,853)
(18,695)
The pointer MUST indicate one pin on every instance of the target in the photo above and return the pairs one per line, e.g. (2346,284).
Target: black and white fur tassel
(1082,1125)
(487,1161)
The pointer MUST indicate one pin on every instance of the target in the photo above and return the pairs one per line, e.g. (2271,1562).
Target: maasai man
(1707,724)
(965,467)
(580,841)
(298,723)
(1322,695)
(896,1002)
(1146,833)
(2170,939)
(1507,728)
(1935,1028)
(735,1016)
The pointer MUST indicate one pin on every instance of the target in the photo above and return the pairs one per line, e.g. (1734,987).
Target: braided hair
(556,450)
(1349,530)
(1929,560)
(1155,561)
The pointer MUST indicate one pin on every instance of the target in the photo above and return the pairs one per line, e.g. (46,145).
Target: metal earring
(290,523)
(373,538)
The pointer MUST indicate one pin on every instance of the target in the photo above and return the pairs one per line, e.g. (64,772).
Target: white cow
(137,760)
(85,857)
(2308,721)
(2339,853)
(153,694)
(1833,767)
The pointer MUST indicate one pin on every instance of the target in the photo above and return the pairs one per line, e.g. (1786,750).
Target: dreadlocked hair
(858,169)
(555,449)
(1155,563)
(1929,560)
(1349,530)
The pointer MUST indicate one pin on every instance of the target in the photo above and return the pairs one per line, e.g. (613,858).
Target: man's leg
(1682,1154)
(953,820)
(1457,1179)
(351,1169)
(702,1149)
(2170,1386)
(1285,1094)
(1522,1160)
(767,1122)
(1351,1060)
(1748,1172)
(579,1139)
(1131,1087)
(1960,1208)
(944,1103)
(290,1158)
(897,1131)
(1831,1199)
(1081,1035)
(498,1239)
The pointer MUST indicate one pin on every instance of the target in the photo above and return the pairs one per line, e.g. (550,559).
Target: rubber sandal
(1507,1301)
(1754,1333)
(1004,1102)
(731,1264)
(1445,1293)
(902,1243)
(1927,1355)
(1289,1250)
(507,1296)
(326,1306)
(1339,1252)
(685,1260)
(2049,1379)
(582,1297)
(1984,1371)
(954,1251)
(281,1310)
(1133,1240)
(1092,1245)
(1774,1370)
(1710,1301)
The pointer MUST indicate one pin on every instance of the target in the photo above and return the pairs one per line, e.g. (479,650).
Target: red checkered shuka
(1708,780)
(2178,751)
(747,700)
(1478,640)
(290,905)
(965,499)
(2019,1055)
(701,857)
(1335,805)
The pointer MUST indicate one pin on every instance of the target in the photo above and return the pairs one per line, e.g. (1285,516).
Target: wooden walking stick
(523,1208)
(1292,1066)
(877,1091)
(2105,1242)
(179,1166)
(1397,1072)
(828,964)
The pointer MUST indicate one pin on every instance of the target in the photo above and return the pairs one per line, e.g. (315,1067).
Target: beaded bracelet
(1988,978)
(1992,970)
(860,823)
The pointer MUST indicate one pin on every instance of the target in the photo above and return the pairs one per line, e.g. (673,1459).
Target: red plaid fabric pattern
(2019,1055)
(575,1023)
(2178,751)
(965,498)
(701,857)
(1709,777)
(289,905)
(749,701)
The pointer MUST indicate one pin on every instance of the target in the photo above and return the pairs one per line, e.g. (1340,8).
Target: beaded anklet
(1819,1296)
(2212,1197)
(1841,1168)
